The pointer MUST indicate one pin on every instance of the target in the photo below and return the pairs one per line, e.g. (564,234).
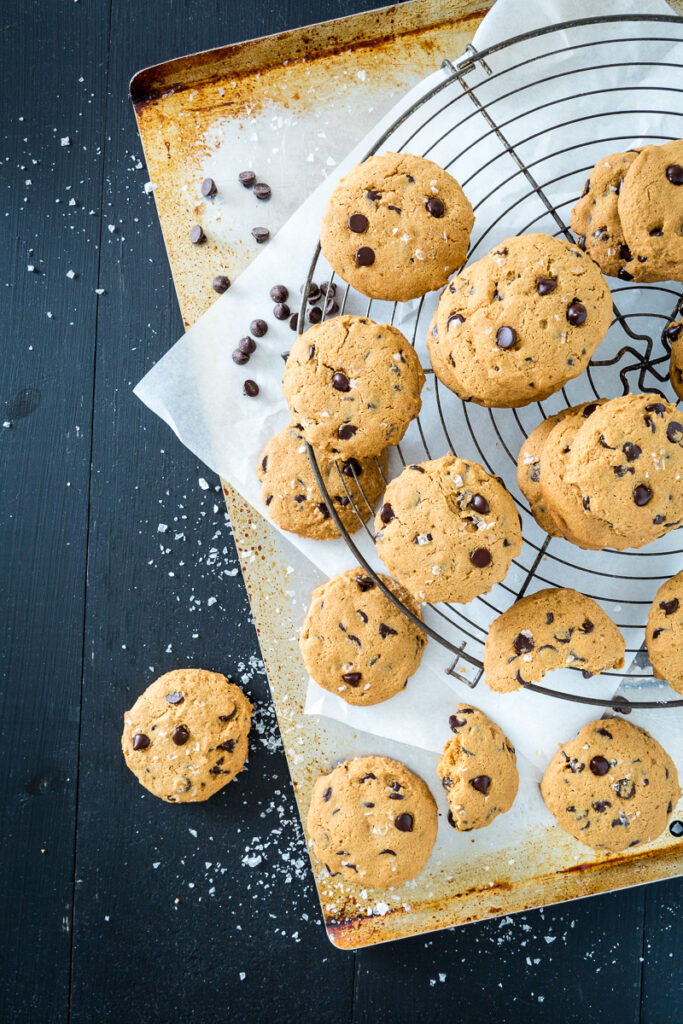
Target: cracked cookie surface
(612,787)
(372,821)
(396,227)
(516,325)
(447,530)
(478,770)
(187,735)
(664,633)
(353,385)
(356,643)
(553,628)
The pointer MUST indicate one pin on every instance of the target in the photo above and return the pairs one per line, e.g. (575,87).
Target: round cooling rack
(531,132)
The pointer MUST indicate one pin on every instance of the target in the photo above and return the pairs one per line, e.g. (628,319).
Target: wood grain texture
(173,904)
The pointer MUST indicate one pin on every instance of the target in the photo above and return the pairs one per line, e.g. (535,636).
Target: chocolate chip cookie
(553,628)
(529,465)
(621,479)
(664,633)
(353,385)
(447,530)
(478,770)
(672,334)
(596,223)
(396,227)
(187,735)
(356,643)
(372,821)
(651,210)
(292,494)
(516,325)
(613,787)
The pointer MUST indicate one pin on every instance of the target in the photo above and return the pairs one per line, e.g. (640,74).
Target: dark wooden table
(117,907)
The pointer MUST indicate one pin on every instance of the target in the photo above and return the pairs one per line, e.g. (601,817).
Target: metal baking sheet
(291,105)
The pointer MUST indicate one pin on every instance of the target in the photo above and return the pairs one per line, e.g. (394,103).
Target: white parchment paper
(553,121)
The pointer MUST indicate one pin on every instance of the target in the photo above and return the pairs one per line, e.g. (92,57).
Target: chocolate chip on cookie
(664,633)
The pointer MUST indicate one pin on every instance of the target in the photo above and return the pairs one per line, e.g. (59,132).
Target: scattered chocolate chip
(481,783)
(480,504)
(220,283)
(523,643)
(404,822)
(674,173)
(314,315)
(328,288)
(358,223)
(247,178)
(258,328)
(365,256)
(197,235)
(331,307)
(140,741)
(340,382)
(576,313)
(260,235)
(180,735)
(365,583)
(480,557)
(352,678)
(261,190)
(669,607)
(251,388)
(386,513)
(506,337)
(435,207)
(327,794)
(314,293)
(545,285)
(281,311)
(385,631)
(175,698)
(208,188)
(240,357)
(599,765)
(642,494)
(346,432)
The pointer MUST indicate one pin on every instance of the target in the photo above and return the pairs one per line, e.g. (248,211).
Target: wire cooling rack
(635,355)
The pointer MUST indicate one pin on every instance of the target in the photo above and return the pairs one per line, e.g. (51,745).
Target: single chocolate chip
(657,633)
(386,513)
(246,345)
(314,315)
(625,253)
(481,783)
(228,718)
(328,288)
(352,678)
(625,788)
(369,775)
(656,233)
(587,626)
(624,275)
(586,187)
(549,618)
(365,583)
(480,504)
(581,242)
(545,285)
(523,643)
(642,494)
(347,431)
(506,337)
(404,822)
(358,223)
(314,294)
(669,607)
(435,207)
(674,173)
(601,805)
(373,195)
(340,382)
(228,745)
(220,283)
(365,256)
(261,190)
(631,451)
(576,313)
(351,467)
(599,765)
(140,741)
(180,735)
(589,410)
(673,331)
(258,328)
(480,557)
(390,852)
(620,471)
(455,318)
(281,311)
(323,509)
(208,188)
(247,178)
(658,520)
(240,357)
(251,388)
(260,235)
(674,432)
(197,235)
(385,631)
(293,326)
(604,732)
(456,723)
(327,794)
(331,307)
(656,407)
(175,698)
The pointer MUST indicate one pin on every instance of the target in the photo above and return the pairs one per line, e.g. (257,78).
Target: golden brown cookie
(396,226)
(651,210)
(673,336)
(553,628)
(372,821)
(664,633)
(447,530)
(353,385)
(292,494)
(478,770)
(516,325)
(613,787)
(187,735)
(356,643)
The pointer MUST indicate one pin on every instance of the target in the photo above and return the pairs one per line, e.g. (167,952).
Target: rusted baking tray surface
(291,106)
